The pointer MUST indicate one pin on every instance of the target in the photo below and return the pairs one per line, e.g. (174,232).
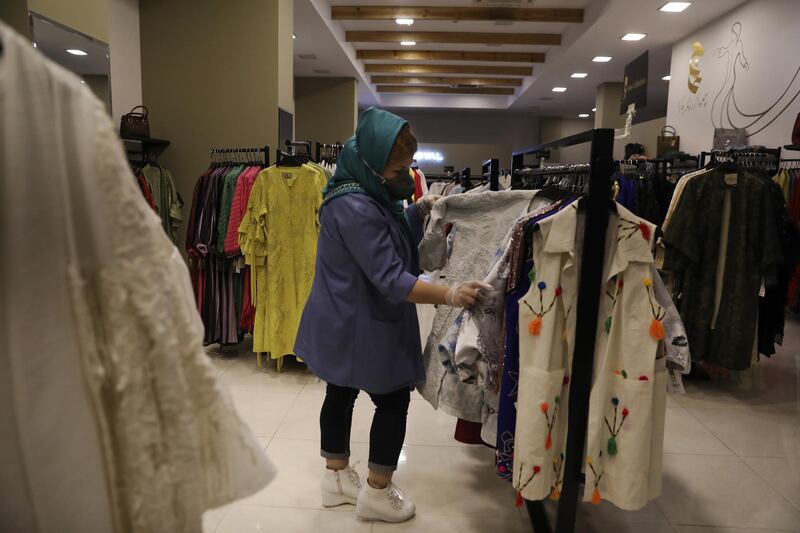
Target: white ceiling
(605,21)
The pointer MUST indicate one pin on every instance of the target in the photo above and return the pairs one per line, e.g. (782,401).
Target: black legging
(388,425)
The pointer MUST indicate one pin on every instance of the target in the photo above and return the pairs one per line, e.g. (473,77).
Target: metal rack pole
(590,287)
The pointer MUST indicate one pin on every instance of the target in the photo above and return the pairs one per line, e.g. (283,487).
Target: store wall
(557,128)
(125,52)
(210,78)
(15,14)
(285,44)
(326,109)
(748,76)
(461,156)
(473,127)
(86,16)
(645,133)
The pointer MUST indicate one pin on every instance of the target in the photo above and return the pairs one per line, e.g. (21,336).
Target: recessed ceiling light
(76,52)
(34,45)
(633,36)
(559,89)
(408,43)
(583,115)
(667,77)
(321,71)
(294,36)
(404,22)
(594,109)
(601,59)
(674,7)
(82,81)
(307,56)
(579,75)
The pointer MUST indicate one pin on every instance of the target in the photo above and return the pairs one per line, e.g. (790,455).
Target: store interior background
(216,73)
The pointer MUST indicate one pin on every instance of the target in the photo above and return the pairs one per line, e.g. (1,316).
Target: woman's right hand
(465,294)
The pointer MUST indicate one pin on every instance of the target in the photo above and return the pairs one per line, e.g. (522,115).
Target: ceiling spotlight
(633,36)
(667,77)
(601,59)
(82,81)
(674,7)
(408,43)
(294,36)
(583,115)
(594,109)
(579,75)
(559,89)
(404,22)
(76,52)
(34,45)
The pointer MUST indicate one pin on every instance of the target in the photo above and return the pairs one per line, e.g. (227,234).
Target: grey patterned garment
(482,224)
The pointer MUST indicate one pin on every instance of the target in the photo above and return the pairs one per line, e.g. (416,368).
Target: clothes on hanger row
(219,276)
(158,189)
(730,249)
(278,238)
(479,369)
(113,418)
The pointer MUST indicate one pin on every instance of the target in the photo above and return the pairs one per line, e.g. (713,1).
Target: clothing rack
(293,145)
(328,151)
(491,169)
(596,203)
(241,155)
(746,157)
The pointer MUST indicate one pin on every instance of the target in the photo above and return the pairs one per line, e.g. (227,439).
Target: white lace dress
(113,419)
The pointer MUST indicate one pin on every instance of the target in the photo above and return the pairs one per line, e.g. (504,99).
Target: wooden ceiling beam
(456,13)
(403,68)
(445,80)
(419,89)
(453,37)
(443,55)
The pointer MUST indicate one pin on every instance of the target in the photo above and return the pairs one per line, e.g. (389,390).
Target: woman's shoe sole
(330,499)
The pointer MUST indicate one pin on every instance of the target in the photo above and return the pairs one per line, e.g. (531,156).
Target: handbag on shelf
(668,141)
(135,123)
(727,137)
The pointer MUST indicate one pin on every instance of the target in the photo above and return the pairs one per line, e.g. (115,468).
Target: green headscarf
(375,136)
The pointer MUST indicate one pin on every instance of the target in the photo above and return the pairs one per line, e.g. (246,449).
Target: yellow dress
(278,236)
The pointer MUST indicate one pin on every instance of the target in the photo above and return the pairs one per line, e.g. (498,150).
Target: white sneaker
(340,487)
(388,505)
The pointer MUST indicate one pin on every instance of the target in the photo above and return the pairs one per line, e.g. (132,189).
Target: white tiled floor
(731,464)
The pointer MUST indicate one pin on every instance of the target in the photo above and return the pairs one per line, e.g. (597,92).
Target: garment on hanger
(99,337)
(628,395)
(722,245)
(481,223)
(278,236)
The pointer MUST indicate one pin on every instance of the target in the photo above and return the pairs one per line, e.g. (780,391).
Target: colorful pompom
(615,401)
(535,326)
(656,329)
(542,285)
(625,412)
(624,374)
(544,407)
(645,229)
(620,283)
(558,399)
(566,380)
(644,378)
(537,469)
(596,497)
(648,282)
(589,459)
(612,446)
(532,275)
(608,325)
(558,291)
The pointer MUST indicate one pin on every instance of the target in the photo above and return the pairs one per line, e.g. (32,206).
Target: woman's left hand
(425,204)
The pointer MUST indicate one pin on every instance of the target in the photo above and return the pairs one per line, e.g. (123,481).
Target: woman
(359,329)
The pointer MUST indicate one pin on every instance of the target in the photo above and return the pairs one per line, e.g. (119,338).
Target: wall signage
(634,88)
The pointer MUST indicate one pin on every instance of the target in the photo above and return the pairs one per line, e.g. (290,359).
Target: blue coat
(357,329)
